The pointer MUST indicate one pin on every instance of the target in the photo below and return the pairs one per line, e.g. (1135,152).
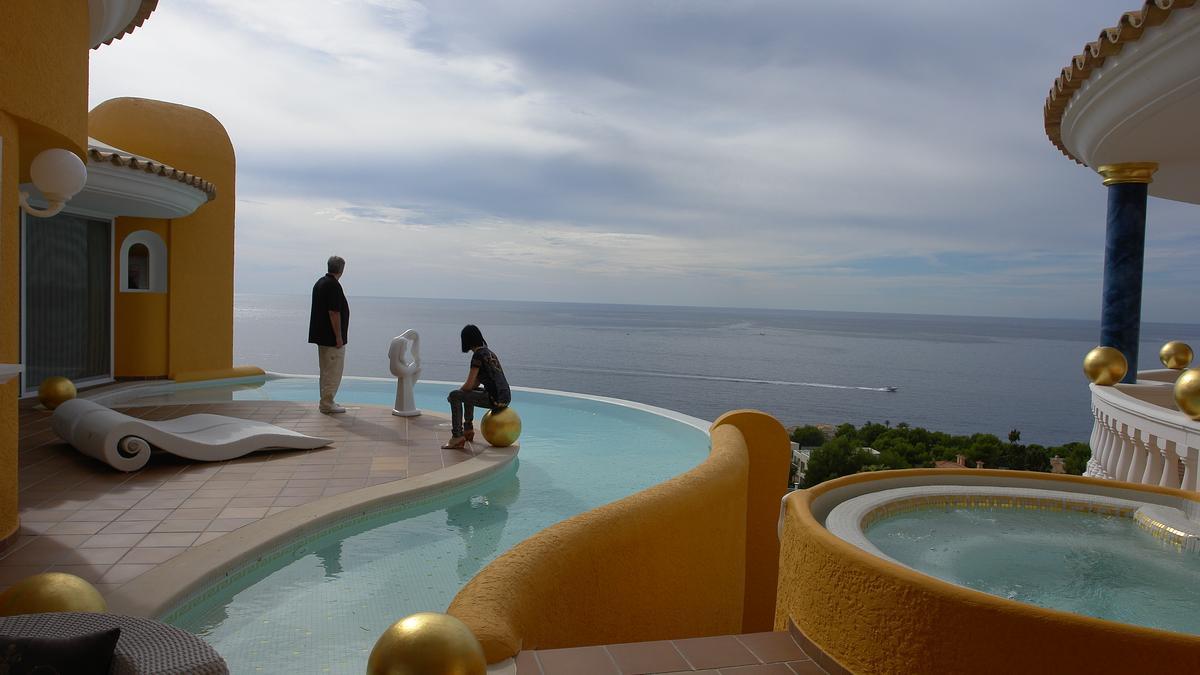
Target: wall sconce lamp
(59,175)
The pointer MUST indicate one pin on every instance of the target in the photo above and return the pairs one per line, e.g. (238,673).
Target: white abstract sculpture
(407,372)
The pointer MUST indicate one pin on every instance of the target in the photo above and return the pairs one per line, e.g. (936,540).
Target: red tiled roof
(118,158)
(1111,41)
(147,8)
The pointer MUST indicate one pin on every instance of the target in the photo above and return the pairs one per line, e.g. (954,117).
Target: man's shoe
(333,409)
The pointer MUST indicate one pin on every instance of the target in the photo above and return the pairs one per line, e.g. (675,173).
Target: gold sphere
(501,427)
(427,643)
(55,391)
(1105,365)
(1176,355)
(51,592)
(1187,392)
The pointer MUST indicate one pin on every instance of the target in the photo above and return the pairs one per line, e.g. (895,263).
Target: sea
(957,374)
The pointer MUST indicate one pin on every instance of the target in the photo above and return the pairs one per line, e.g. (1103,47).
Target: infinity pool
(327,602)
(1087,563)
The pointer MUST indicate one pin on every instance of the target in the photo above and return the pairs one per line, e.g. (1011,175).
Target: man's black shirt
(327,296)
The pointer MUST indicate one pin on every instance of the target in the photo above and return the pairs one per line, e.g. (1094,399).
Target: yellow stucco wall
(44,74)
(200,246)
(139,319)
(668,562)
(43,104)
(10,312)
(875,616)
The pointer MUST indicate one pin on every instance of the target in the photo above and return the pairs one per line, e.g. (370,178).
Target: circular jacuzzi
(993,571)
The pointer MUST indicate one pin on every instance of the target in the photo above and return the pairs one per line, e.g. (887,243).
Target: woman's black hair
(472,338)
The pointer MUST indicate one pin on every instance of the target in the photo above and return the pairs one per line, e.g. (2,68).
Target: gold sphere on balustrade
(51,592)
(55,391)
(427,643)
(1187,393)
(1176,355)
(501,427)
(1105,366)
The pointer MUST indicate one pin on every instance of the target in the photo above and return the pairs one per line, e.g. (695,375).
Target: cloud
(852,155)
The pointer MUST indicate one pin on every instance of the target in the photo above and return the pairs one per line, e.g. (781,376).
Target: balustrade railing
(1140,436)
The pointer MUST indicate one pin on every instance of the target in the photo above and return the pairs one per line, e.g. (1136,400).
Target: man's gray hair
(336,264)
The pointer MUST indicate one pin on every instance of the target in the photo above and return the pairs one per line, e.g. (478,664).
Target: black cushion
(88,654)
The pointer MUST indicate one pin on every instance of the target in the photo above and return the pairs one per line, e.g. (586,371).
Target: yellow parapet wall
(673,561)
(875,616)
(226,373)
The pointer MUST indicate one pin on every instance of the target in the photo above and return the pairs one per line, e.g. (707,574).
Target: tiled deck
(80,516)
(751,654)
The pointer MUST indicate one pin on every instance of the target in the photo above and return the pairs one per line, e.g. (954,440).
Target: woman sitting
(486,387)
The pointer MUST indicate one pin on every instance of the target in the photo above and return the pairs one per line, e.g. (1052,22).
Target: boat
(890,388)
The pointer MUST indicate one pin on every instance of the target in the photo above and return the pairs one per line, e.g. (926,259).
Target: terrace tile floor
(83,517)
(771,653)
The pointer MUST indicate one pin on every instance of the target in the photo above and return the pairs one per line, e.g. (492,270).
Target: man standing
(328,327)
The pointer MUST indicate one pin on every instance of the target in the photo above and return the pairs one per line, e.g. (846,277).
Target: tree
(840,456)
(808,436)
(1014,436)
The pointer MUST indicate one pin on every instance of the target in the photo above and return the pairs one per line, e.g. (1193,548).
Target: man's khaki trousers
(332,361)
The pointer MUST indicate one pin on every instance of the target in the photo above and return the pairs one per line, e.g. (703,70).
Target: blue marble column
(1124,249)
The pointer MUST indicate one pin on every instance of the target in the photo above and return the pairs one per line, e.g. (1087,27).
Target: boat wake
(708,378)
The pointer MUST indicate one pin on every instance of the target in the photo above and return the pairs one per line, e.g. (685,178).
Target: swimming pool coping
(192,577)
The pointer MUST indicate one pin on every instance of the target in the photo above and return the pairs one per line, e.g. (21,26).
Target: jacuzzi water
(325,605)
(1101,566)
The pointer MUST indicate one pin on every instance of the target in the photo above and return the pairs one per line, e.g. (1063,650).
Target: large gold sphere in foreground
(1187,393)
(427,643)
(55,391)
(1176,355)
(51,592)
(1105,365)
(501,427)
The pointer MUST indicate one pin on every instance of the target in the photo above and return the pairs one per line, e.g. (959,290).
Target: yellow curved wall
(43,104)
(139,319)
(199,323)
(668,562)
(874,616)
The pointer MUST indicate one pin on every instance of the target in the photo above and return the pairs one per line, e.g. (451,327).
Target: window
(143,263)
(138,268)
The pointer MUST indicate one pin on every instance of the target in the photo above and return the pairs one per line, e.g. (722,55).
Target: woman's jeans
(465,402)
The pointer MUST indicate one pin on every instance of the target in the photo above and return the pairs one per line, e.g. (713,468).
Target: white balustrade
(1140,436)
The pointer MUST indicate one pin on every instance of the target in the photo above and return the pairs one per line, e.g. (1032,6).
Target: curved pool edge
(871,614)
(696,422)
(172,586)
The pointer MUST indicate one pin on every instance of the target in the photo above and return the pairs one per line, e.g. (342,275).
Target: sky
(854,155)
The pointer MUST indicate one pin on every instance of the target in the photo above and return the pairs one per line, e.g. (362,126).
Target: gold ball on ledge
(1187,393)
(1105,366)
(55,391)
(501,427)
(427,643)
(51,592)
(1176,355)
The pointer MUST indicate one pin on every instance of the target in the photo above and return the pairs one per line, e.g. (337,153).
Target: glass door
(66,276)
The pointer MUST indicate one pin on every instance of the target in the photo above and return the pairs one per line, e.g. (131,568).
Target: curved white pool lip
(169,385)
(186,579)
(845,521)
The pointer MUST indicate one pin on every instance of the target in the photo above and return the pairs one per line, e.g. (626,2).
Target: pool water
(325,604)
(1091,564)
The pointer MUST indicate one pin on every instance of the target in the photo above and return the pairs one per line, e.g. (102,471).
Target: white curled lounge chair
(125,442)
